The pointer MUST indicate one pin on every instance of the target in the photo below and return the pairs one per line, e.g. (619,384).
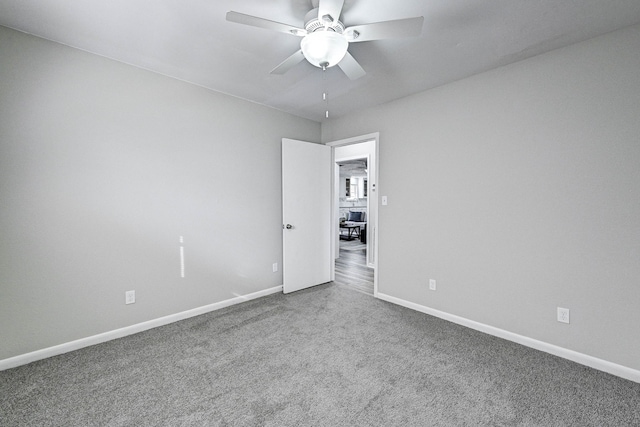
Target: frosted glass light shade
(324,47)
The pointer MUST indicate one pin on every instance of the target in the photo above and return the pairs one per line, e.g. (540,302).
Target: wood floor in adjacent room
(351,267)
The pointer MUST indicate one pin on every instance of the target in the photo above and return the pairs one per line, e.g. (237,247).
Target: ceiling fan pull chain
(325,96)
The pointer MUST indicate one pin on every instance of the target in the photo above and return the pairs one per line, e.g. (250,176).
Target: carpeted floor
(327,356)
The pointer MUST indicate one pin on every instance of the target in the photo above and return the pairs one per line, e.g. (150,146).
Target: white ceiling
(191,40)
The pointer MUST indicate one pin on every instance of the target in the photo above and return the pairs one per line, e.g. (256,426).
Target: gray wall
(522,189)
(102,167)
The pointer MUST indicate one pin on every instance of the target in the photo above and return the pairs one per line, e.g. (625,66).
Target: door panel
(306,213)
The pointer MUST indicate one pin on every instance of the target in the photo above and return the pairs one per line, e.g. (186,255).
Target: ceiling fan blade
(330,10)
(254,21)
(289,63)
(351,68)
(409,27)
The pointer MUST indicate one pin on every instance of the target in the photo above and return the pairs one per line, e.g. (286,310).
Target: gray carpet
(327,356)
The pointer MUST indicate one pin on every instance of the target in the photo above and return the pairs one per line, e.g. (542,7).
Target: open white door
(306,214)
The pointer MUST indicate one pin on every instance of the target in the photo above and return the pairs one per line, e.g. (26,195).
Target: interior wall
(103,167)
(517,190)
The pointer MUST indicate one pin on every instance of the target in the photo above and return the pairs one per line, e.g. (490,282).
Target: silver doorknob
(289,226)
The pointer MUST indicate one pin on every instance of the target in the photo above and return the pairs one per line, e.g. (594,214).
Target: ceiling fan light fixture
(324,48)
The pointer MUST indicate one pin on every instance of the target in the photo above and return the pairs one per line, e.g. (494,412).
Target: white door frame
(373,199)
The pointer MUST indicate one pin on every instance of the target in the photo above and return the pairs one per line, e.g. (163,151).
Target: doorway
(355,207)
(351,266)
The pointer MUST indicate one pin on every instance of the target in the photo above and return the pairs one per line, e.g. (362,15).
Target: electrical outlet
(275,267)
(563,315)
(130,297)
(432,284)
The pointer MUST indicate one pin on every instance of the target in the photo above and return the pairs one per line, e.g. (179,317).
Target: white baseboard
(583,359)
(23,359)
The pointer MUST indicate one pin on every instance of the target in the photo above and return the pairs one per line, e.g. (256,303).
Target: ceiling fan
(325,39)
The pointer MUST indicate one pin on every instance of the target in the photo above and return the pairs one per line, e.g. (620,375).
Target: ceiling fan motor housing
(313,23)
